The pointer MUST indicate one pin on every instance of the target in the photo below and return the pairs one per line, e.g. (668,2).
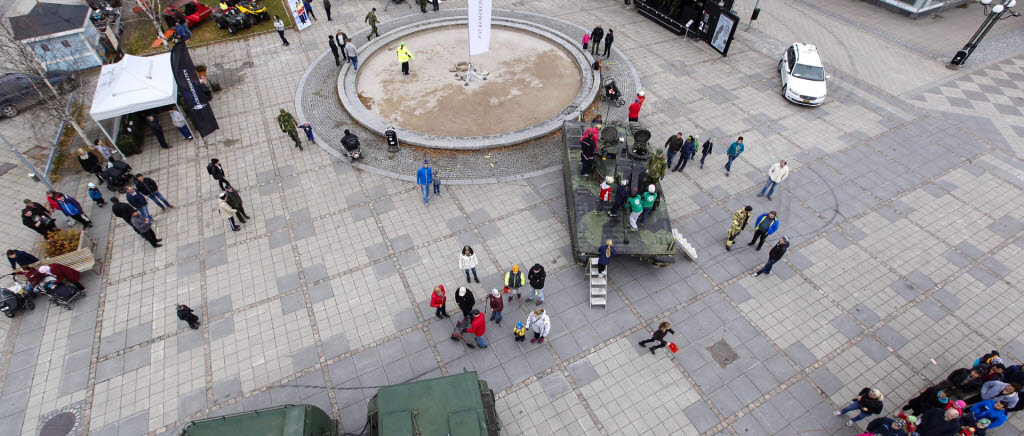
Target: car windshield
(808,72)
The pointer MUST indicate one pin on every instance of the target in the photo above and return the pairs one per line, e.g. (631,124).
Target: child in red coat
(438,299)
(606,193)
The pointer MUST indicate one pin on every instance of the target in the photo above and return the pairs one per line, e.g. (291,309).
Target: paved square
(903,207)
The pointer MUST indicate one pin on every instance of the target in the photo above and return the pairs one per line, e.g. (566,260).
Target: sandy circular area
(530,80)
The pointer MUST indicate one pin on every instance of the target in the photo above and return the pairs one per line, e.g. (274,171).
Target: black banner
(196,102)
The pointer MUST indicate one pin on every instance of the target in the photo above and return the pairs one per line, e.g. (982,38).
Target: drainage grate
(60,425)
(723,353)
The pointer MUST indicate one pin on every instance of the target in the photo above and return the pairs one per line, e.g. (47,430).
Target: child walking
(437,182)
(309,131)
(659,335)
(96,195)
(438,300)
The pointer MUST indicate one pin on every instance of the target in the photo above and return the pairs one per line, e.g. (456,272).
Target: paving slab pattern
(903,211)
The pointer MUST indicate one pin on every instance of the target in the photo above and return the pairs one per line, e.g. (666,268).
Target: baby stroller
(15,298)
(117,175)
(611,91)
(62,294)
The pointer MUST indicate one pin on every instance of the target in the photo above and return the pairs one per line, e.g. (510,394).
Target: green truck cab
(290,420)
(456,405)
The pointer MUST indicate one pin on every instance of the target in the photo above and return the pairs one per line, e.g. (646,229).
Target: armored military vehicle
(290,420)
(622,153)
(459,404)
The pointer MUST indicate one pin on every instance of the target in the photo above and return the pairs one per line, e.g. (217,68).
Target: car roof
(807,54)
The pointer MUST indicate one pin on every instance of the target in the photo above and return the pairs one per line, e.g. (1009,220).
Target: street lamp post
(992,15)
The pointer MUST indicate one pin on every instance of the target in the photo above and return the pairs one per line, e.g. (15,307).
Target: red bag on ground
(673,347)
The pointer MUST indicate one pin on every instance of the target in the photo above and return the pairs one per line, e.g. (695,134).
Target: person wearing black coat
(587,155)
(185,314)
(90,163)
(595,39)
(41,224)
(148,187)
(36,209)
(774,255)
(867,402)
(464,298)
(122,210)
(608,43)
(621,195)
(18,257)
(157,130)
(705,150)
(887,426)
(966,380)
(933,397)
(217,172)
(334,50)
(536,277)
(939,422)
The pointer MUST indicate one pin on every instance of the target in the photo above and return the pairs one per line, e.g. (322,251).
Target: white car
(803,76)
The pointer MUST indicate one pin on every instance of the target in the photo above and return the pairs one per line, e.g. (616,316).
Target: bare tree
(151,9)
(17,57)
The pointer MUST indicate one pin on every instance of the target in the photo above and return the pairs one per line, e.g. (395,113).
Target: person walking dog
(659,335)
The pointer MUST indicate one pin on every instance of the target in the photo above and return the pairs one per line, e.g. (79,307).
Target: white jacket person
(779,172)
(539,323)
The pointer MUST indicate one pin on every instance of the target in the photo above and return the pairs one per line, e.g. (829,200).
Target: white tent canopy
(134,84)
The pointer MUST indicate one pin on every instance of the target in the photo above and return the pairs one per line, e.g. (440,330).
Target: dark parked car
(17,91)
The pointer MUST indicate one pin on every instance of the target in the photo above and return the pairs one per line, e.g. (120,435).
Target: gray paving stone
(377,191)
(219,306)
(226,389)
(335,346)
(383,206)
(354,198)
(518,370)
(582,373)
(982,275)
(399,371)
(969,249)
(701,416)
(737,293)
(555,385)
(391,351)
(221,328)
(315,273)
(906,289)
(479,216)
(405,318)
(490,231)
(320,292)
(191,403)
(134,425)
(457,224)
(113,343)
(366,361)
(725,400)
(946,299)
(71,381)
(259,401)
(865,314)
(287,282)
(826,381)
(275,223)
(801,355)
(304,358)
(377,251)
(136,359)
(874,349)
(186,251)
(279,239)
(847,326)
(468,238)
(214,242)
(138,334)
(360,213)
(187,268)
(216,258)
(110,368)
(893,338)
(931,310)
(385,269)
(401,243)
(289,183)
(189,339)
(293,302)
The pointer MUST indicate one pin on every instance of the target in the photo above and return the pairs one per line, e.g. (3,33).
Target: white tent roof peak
(134,84)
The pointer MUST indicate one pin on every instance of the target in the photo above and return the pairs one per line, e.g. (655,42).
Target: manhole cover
(60,425)
(723,353)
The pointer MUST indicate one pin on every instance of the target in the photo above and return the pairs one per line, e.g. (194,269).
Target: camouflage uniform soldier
(739,222)
(423,5)
(287,124)
(371,19)
(657,165)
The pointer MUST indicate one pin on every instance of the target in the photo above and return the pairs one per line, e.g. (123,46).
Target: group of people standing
(969,402)
(514,280)
(592,41)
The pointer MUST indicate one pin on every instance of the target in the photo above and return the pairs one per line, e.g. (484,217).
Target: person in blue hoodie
(96,195)
(765,225)
(425,178)
(689,150)
(73,210)
(994,411)
(734,152)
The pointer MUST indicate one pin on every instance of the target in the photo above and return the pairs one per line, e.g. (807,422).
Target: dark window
(65,43)
(44,47)
(791,58)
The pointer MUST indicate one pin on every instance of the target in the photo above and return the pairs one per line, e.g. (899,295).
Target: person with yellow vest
(514,280)
(404,56)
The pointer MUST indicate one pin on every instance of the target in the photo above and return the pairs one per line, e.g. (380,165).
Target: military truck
(622,153)
(459,404)
(290,420)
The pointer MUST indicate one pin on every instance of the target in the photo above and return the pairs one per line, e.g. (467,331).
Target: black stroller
(611,91)
(118,175)
(62,294)
(11,302)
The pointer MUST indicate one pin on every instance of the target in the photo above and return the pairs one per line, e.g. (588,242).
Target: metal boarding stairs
(598,285)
